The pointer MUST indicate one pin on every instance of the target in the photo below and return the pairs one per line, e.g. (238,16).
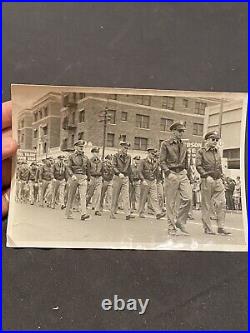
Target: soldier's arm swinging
(163,157)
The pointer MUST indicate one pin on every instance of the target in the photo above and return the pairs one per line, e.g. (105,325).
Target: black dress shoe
(182,228)
(98,214)
(84,217)
(222,231)
(128,217)
(159,216)
(209,232)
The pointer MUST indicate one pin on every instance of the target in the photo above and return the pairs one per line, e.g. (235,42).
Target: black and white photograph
(128,169)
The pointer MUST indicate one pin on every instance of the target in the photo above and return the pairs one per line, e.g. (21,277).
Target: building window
(73,117)
(35,133)
(185,103)
(110,140)
(35,116)
(22,138)
(80,135)
(113,96)
(168,102)
(22,123)
(45,130)
(200,108)
(112,114)
(142,121)
(233,158)
(123,137)
(144,100)
(65,143)
(141,143)
(160,142)
(45,111)
(45,147)
(40,114)
(197,129)
(81,116)
(165,124)
(124,116)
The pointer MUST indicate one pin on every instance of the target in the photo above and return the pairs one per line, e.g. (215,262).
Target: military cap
(178,125)
(137,158)
(124,144)
(33,163)
(212,134)
(95,150)
(70,150)
(43,159)
(108,157)
(151,149)
(60,157)
(79,143)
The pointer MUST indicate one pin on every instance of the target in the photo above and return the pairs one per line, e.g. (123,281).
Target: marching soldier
(23,181)
(58,182)
(18,182)
(78,167)
(107,177)
(95,184)
(208,164)
(148,169)
(33,185)
(174,163)
(45,178)
(159,183)
(122,170)
(135,184)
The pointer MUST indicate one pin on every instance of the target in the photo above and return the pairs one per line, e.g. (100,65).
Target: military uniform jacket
(173,155)
(208,163)
(135,174)
(122,164)
(46,173)
(78,164)
(24,174)
(33,174)
(107,171)
(59,171)
(95,167)
(148,169)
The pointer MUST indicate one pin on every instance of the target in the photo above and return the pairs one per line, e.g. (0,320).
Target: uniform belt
(177,169)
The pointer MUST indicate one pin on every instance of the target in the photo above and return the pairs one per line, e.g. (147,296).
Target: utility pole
(105,118)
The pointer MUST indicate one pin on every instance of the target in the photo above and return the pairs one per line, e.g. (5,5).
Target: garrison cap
(151,149)
(79,143)
(212,134)
(178,125)
(137,158)
(108,157)
(124,144)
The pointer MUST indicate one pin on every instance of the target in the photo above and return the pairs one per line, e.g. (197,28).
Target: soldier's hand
(74,177)
(9,147)
(210,179)
(144,182)
(172,176)
(121,175)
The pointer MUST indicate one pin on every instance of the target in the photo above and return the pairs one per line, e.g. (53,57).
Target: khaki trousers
(135,191)
(58,185)
(81,183)
(94,191)
(213,198)
(120,187)
(106,194)
(149,192)
(174,187)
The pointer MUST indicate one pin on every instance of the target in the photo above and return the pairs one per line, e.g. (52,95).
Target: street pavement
(37,226)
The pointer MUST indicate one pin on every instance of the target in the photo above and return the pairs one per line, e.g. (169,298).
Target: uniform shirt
(135,174)
(173,155)
(95,167)
(122,164)
(148,169)
(208,162)
(24,173)
(33,173)
(107,170)
(78,164)
(46,173)
(59,170)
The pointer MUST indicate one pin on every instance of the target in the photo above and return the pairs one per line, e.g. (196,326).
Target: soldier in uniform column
(107,178)
(174,163)
(78,167)
(208,164)
(95,184)
(148,169)
(122,170)
(159,182)
(33,185)
(135,184)
(58,182)
(23,181)
(45,178)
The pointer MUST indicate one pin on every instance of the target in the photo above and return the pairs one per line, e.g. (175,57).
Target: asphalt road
(35,226)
